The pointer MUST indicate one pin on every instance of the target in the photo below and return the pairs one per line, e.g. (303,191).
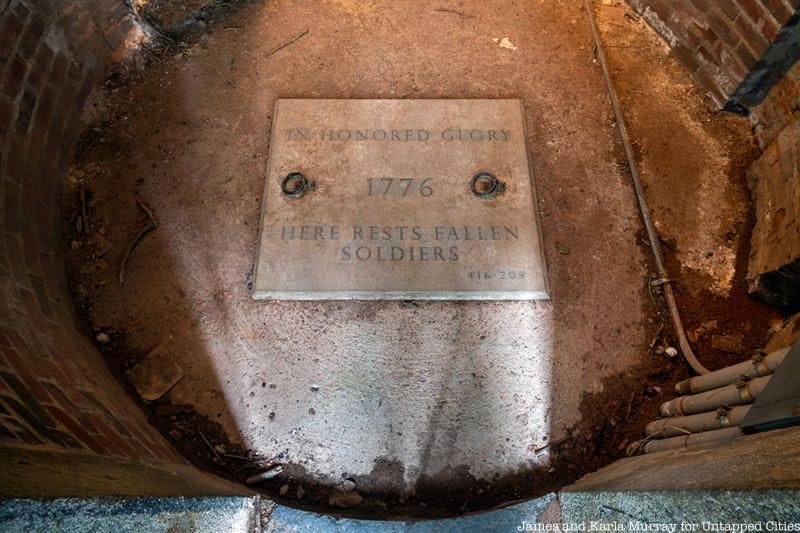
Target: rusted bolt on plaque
(399,199)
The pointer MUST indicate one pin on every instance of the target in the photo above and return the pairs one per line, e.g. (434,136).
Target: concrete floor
(396,395)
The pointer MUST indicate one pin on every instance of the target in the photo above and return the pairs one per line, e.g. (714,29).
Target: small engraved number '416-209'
(386,186)
(496,274)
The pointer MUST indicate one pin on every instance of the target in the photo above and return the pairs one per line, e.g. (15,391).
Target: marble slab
(399,199)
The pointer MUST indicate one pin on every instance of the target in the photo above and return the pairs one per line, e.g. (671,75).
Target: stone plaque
(399,199)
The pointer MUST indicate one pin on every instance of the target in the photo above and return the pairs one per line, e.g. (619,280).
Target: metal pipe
(758,366)
(740,393)
(652,236)
(684,425)
(689,440)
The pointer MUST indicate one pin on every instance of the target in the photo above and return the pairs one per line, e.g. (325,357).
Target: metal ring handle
(486,185)
(294,185)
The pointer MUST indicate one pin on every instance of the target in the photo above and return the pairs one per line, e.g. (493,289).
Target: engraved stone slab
(399,199)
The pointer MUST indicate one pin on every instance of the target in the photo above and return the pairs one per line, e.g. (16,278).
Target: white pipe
(756,367)
(684,425)
(740,393)
(689,440)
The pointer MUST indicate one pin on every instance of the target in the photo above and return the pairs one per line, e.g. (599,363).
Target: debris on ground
(505,42)
(727,343)
(264,476)
(151,225)
(287,43)
(344,495)
(102,244)
(703,329)
(155,374)
(562,248)
(454,12)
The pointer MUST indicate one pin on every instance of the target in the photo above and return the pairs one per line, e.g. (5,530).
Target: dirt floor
(543,392)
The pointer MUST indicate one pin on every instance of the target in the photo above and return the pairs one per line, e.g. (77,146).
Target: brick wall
(54,387)
(735,49)
(780,108)
(774,180)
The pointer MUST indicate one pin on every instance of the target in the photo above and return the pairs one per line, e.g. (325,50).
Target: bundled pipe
(759,365)
(684,425)
(689,440)
(742,392)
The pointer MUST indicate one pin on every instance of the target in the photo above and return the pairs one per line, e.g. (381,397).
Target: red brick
(7,114)
(685,57)
(59,70)
(753,9)
(778,10)
(745,56)
(29,390)
(701,5)
(729,8)
(21,10)
(15,73)
(770,30)
(31,36)
(14,249)
(75,428)
(61,398)
(120,428)
(23,432)
(15,164)
(731,64)
(44,112)
(12,202)
(41,422)
(113,438)
(752,36)
(27,374)
(25,109)
(40,66)
(723,28)
(42,298)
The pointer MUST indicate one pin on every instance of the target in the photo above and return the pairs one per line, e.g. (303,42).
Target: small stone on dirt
(155,374)
(103,244)
(562,248)
(505,42)
(103,338)
(671,351)
(343,499)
